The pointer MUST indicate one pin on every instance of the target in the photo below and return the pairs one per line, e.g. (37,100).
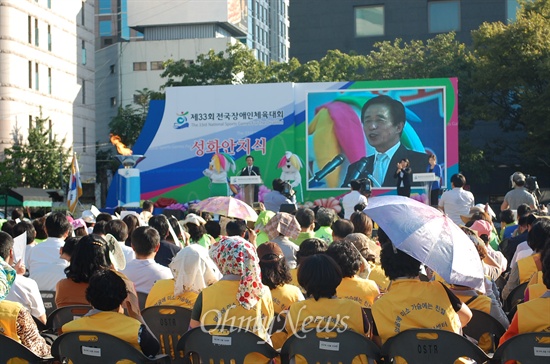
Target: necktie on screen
(380,167)
(249,170)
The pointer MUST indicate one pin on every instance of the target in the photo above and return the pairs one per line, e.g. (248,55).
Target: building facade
(134,39)
(356,25)
(47,69)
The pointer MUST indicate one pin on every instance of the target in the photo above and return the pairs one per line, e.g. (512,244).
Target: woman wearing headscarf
(193,271)
(281,228)
(239,298)
(16,321)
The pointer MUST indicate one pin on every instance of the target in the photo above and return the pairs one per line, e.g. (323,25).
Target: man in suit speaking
(251,170)
(383,121)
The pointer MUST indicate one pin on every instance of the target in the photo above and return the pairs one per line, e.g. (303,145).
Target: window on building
(443,16)
(112,68)
(157,65)
(512,7)
(84,139)
(49,4)
(30,122)
(105,28)
(140,66)
(105,7)
(84,52)
(49,38)
(49,81)
(29,25)
(50,130)
(82,15)
(36,77)
(113,101)
(107,41)
(36,34)
(369,21)
(30,74)
(83,91)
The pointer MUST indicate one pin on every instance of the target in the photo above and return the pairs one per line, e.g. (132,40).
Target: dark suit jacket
(407,178)
(255,171)
(166,252)
(418,162)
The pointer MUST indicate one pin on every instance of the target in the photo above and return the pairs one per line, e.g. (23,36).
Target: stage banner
(315,135)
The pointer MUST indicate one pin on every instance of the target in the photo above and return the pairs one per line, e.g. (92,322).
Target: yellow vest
(220,307)
(534,316)
(326,313)
(285,295)
(378,275)
(536,290)
(362,291)
(536,279)
(527,267)
(113,323)
(410,304)
(294,282)
(8,318)
(480,303)
(162,293)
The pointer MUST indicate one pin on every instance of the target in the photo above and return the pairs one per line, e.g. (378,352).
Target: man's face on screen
(379,129)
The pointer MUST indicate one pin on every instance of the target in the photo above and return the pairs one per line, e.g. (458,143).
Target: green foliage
(511,77)
(504,76)
(130,118)
(235,65)
(38,162)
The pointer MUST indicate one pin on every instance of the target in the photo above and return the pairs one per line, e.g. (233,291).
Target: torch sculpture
(129,182)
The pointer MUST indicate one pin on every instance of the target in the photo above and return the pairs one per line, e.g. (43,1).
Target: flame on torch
(120,147)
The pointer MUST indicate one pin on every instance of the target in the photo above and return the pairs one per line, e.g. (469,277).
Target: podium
(426,179)
(248,184)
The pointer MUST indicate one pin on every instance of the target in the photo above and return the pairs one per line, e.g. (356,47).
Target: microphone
(359,167)
(328,168)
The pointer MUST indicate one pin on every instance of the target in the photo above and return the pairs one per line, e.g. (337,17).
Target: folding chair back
(168,323)
(65,314)
(213,345)
(425,346)
(515,297)
(48,297)
(12,350)
(142,298)
(89,347)
(532,348)
(329,347)
(483,323)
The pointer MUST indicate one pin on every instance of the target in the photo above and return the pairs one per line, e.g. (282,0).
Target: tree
(41,162)
(236,64)
(511,77)
(130,118)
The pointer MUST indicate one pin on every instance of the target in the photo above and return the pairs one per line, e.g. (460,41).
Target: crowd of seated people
(307,278)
